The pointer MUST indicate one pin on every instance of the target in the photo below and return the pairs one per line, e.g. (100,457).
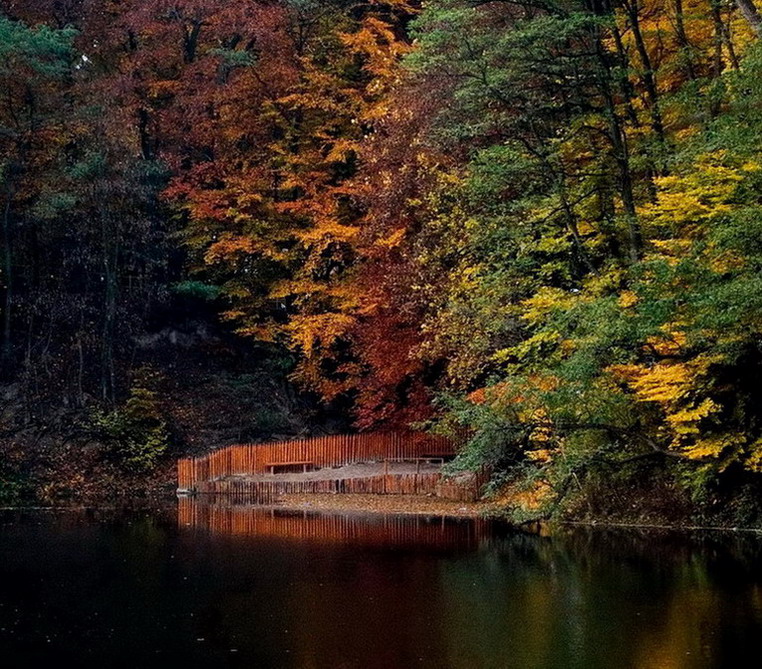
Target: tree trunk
(682,39)
(8,280)
(627,89)
(750,13)
(717,62)
(620,150)
(648,75)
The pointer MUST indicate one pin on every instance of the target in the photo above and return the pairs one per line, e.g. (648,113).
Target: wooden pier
(225,472)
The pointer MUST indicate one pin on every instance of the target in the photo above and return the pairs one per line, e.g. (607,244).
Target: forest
(535,223)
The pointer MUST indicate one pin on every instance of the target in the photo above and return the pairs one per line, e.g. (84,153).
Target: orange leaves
(274,208)
(627,299)
(232,247)
(393,240)
(311,332)
(380,49)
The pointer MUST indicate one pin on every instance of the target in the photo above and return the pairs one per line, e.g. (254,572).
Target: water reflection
(385,530)
(243,587)
(581,598)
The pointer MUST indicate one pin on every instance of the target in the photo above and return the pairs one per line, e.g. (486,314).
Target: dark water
(243,588)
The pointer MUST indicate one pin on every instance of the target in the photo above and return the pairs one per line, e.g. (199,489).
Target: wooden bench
(431,459)
(427,459)
(443,457)
(304,464)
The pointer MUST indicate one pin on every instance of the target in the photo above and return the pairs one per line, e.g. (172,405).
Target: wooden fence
(330,451)
(464,488)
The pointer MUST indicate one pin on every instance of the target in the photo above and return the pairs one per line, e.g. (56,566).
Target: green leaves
(137,434)
(45,51)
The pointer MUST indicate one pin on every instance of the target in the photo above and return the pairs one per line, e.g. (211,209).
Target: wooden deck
(223,472)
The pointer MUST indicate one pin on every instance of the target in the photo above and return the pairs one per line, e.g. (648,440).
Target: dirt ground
(403,504)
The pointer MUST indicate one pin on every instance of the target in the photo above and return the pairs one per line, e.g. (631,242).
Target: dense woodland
(534,222)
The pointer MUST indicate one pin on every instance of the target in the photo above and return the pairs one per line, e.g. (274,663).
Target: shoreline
(410,505)
(373,504)
(487,510)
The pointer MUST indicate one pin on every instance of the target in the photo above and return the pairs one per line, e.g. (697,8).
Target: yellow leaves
(754,458)
(714,446)
(543,303)
(665,382)
(669,344)
(584,228)
(541,455)
(669,250)
(744,35)
(627,299)
(685,421)
(678,387)
(700,195)
(261,332)
(338,295)
(690,202)
(318,331)
(550,244)
(528,347)
(341,150)
(542,432)
(377,43)
(723,262)
(329,230)
(684,134)
(751,166)
(528,499)
(605,283)
(393,240)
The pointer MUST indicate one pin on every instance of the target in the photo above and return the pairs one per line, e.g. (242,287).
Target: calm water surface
(213,587)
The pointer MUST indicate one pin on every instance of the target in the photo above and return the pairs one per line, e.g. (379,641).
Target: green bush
(136,433)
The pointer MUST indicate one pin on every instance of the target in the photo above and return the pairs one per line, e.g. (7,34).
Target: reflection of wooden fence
(384,530)
(330,451)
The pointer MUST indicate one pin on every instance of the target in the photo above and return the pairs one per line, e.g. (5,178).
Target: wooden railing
(329,451)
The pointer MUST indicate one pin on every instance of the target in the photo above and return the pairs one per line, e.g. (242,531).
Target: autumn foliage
(535,221)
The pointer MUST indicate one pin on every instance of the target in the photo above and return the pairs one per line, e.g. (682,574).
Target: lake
(209,586)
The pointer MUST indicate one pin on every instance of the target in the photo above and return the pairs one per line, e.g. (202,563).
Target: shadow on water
(249,587)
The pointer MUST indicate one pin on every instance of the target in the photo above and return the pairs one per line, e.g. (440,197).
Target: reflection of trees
(386,591)
(602,599)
